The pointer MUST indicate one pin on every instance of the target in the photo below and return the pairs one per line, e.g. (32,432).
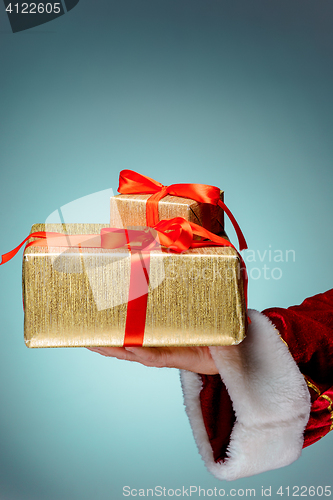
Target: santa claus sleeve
(273,395)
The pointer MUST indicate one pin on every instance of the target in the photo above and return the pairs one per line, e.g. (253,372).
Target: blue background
(236,94)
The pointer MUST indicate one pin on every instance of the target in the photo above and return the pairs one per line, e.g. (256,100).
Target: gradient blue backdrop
(235,93)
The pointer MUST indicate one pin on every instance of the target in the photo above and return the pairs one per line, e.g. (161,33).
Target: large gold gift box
(130,210)
(76,297)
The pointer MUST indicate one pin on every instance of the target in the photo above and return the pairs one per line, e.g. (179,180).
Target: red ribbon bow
(131,182)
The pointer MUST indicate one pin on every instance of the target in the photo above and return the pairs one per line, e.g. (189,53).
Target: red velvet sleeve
(307,329)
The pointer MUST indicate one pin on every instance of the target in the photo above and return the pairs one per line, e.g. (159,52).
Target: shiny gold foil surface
(130,210)
(78,297)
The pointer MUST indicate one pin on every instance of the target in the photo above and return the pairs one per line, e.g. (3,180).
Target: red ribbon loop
(131,182)
(40,234)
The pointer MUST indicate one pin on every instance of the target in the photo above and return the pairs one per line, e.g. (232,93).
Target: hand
(194,359)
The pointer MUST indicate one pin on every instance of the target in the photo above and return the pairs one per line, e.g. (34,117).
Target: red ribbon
(131,182)
(140,243)
(175,234)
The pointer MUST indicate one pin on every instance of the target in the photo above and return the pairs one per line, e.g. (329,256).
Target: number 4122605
(34,8)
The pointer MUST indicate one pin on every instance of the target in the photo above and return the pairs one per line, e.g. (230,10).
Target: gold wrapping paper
(130,210)
(78,297)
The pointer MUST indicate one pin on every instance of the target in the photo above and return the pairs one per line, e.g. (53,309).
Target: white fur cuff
(270,399)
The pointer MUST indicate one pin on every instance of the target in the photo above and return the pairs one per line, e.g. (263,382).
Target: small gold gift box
(130,210)
(77,297)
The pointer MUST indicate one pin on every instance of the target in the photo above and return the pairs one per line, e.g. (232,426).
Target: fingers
(147,356)
(196,359)
(151,356)
(114,352)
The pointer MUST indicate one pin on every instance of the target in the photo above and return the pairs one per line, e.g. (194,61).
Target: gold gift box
(130,210)
(78,297)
